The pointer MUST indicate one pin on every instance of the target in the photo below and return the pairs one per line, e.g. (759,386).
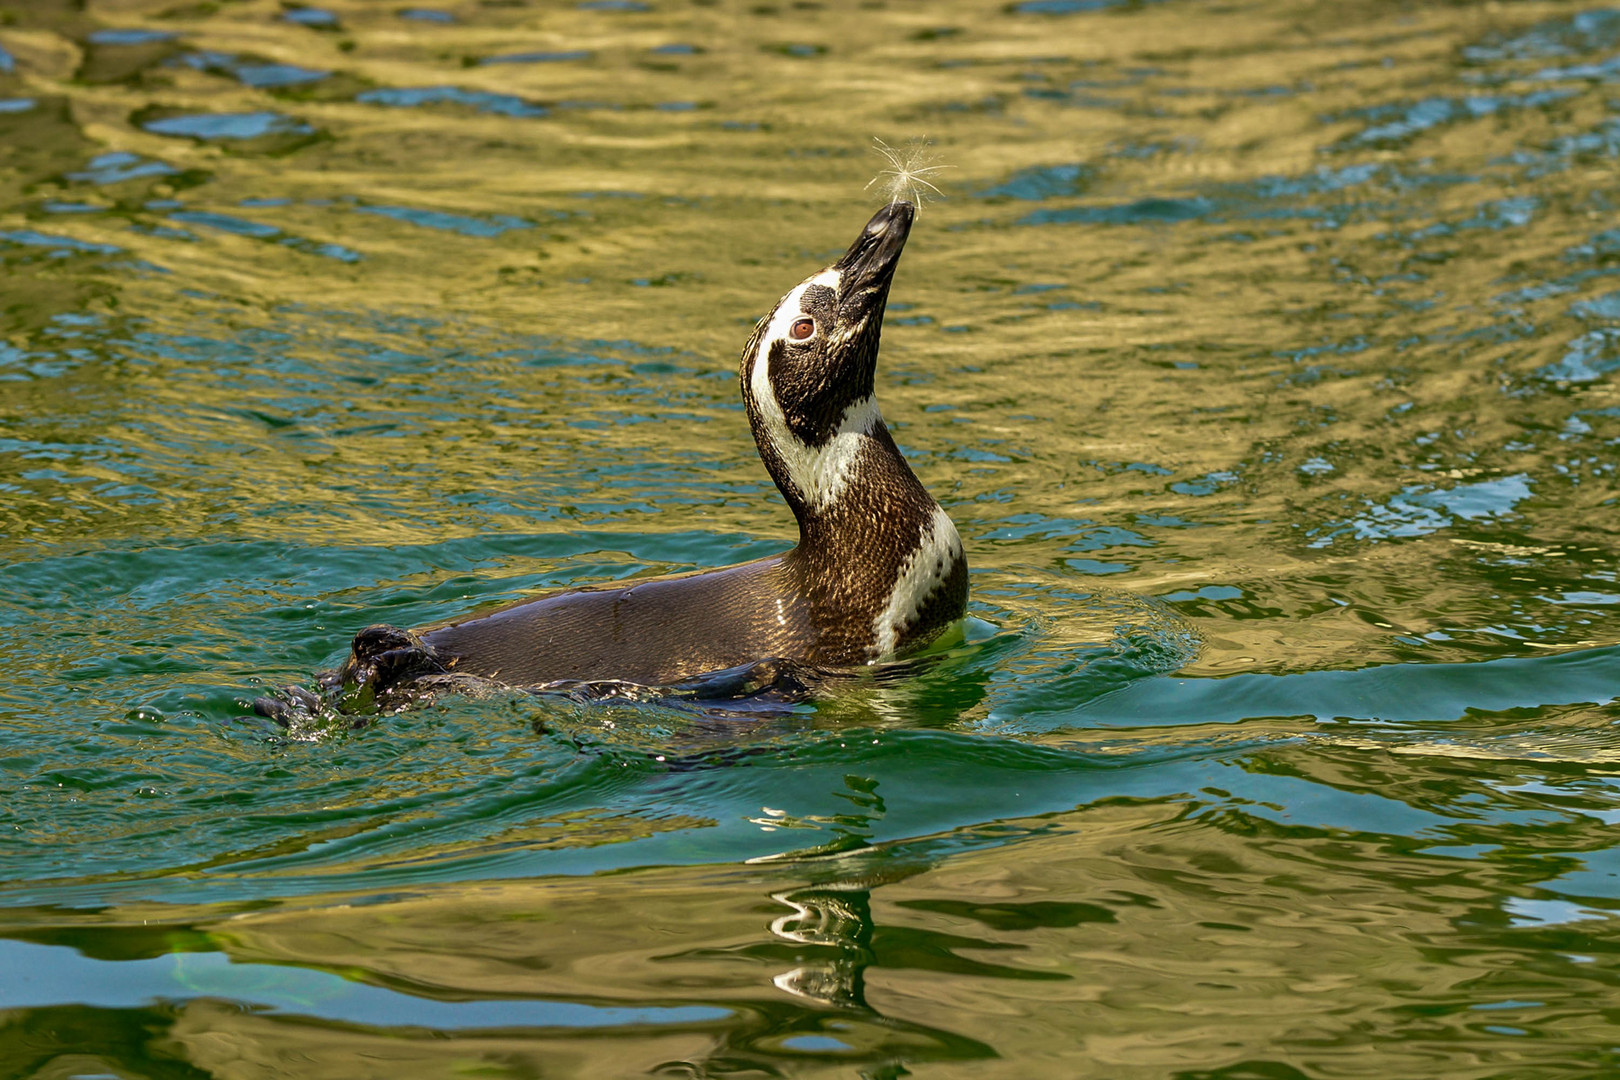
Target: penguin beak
(867,267)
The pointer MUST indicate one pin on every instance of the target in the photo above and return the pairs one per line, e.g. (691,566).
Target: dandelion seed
(908,171)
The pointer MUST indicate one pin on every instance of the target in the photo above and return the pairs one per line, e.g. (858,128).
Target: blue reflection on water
(46,975)
(119,166)
(494,225)
(207,126)
(541,57)
(130,37)
(31,238)
(482,100)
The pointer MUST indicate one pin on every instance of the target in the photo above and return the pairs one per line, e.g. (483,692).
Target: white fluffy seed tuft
(908,171)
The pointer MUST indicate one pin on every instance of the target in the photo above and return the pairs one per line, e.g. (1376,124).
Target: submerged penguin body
(878,570)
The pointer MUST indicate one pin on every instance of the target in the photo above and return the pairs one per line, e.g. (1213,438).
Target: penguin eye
(802,328)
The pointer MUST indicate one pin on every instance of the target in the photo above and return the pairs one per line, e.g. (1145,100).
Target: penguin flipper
(382,660)
(387,666)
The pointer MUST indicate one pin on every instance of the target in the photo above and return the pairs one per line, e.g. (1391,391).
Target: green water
(1262,352)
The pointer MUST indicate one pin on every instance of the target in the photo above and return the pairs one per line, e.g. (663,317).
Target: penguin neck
(870,510)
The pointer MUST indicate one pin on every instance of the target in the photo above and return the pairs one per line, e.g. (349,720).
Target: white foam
(923,571)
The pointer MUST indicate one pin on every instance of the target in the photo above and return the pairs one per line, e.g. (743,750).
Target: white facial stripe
(786,312)
(790,309)
(819,473)
(923,571)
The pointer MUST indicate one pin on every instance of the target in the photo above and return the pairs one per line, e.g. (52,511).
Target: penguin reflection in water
(878,571)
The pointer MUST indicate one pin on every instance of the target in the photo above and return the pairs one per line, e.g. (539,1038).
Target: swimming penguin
(878,571)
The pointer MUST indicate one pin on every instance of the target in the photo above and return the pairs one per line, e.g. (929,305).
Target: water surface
(1262,352)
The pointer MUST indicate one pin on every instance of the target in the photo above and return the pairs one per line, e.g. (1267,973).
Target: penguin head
(807,372)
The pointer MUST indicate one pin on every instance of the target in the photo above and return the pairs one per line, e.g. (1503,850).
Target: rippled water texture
(1265,354)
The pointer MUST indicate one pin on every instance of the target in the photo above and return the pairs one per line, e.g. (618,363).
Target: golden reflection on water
(674,227)
(1203,348)
(1264,948)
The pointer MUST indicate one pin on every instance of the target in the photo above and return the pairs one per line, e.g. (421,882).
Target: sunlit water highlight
(1263,355)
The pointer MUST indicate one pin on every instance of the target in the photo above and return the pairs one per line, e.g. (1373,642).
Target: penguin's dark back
(655,632)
